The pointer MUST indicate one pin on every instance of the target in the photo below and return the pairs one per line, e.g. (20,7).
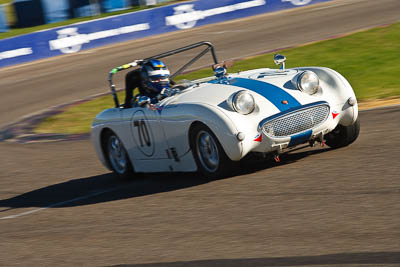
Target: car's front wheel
(118,157)
(343,135)
(208,153)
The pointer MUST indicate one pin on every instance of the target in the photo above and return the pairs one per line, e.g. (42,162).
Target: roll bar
(209,48)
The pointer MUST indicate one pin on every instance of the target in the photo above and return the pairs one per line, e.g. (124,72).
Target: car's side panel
(147,136)
(145,141)
(185,163)
(121,122)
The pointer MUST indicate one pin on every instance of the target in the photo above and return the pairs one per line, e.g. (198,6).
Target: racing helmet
(155,76)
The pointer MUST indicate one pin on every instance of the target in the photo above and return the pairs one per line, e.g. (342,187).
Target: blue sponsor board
(81,36)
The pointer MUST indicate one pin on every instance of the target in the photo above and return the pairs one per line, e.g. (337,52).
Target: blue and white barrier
(76,37)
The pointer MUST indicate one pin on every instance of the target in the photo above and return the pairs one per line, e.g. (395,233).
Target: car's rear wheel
(343,136)
(118,157)
(209,155)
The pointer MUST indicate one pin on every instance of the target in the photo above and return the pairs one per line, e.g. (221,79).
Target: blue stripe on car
(300,138)
(271,92)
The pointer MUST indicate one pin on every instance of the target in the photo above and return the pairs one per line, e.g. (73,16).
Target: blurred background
(29,13)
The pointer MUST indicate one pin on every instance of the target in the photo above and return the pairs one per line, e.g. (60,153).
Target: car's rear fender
(108,121)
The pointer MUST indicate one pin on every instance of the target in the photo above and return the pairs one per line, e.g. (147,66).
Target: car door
(147,135)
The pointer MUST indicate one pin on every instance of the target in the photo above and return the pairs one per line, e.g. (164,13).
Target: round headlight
(308,82)
(243,102)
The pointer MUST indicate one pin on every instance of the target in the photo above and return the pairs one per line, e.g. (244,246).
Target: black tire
(117,157)
(343,136)
(210,157)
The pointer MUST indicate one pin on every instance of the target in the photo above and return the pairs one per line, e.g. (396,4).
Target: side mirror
(220,72)
(226,64)
(280,60)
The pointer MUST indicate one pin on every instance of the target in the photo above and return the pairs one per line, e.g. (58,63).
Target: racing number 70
(143,133)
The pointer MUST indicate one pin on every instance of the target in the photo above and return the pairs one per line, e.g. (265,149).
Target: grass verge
(369,60)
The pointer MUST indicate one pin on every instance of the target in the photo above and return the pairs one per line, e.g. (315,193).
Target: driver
(151,79)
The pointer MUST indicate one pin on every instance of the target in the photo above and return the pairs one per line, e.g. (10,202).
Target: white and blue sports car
(206,125)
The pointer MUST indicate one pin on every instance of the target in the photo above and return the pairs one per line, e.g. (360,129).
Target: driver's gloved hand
(175,91)
(166,92)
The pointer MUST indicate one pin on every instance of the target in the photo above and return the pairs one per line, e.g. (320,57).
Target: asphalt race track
(318,207)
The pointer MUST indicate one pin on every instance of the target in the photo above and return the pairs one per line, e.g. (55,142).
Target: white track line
(59,204)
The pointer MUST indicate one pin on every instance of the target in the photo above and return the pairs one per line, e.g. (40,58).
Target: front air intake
(297,121)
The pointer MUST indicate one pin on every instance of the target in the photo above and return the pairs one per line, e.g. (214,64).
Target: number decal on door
(143,132)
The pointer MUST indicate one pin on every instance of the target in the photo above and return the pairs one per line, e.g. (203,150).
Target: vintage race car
(208,124)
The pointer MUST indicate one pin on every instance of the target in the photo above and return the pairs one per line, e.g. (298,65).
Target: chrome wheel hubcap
(207,151)
(117,155)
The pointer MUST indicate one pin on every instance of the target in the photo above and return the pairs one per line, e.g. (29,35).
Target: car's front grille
(296,122)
